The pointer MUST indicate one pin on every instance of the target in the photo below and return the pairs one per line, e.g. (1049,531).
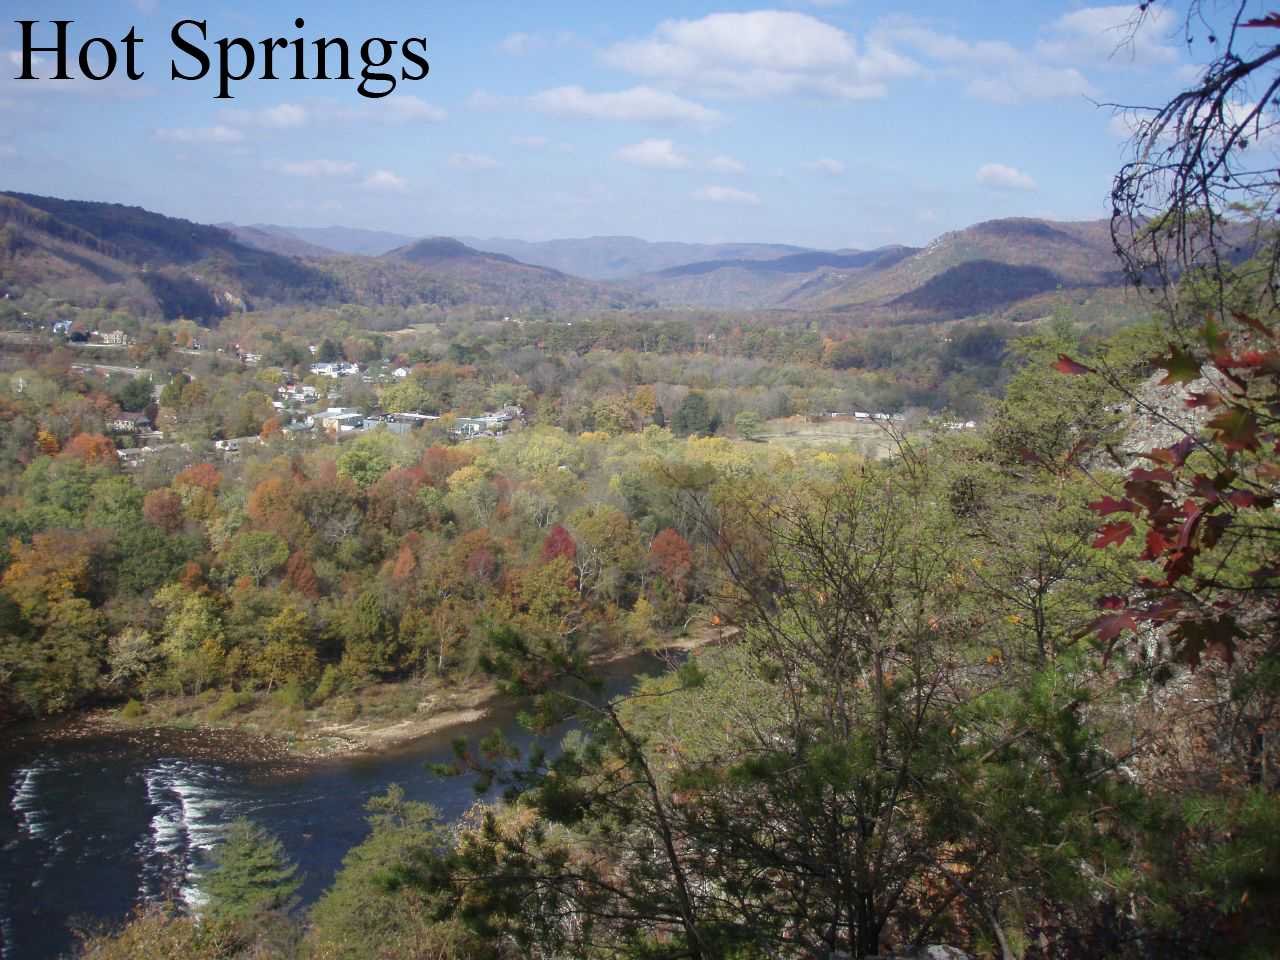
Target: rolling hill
(91,254)
(793,280)
(102,254)
(498,278)
(616,258)
(982,268)
(274,240)
(366,243)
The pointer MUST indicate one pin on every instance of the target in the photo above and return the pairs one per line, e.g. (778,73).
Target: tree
(271,429)
(748,424)
(407,396)
(130,655)
(694,416)
(823,798)
(364,463)
(1194,224)
(163,509)
(371,645)
(255,554)
(366,914)
(644,404)
(1202,186)
(558,543)
(91,449)
(133,394)
(300,577)
(249,874)
(671,558)
(194,637)
(285,653)
(611,414)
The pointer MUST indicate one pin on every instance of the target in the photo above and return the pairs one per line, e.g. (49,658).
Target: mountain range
(986,267)
(103,254)
(89,253)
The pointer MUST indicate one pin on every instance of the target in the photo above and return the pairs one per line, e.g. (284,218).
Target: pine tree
(694,416)
(250,874)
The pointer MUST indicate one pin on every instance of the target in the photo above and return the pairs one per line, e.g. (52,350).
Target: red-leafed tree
(300,578)
(559,543)
(671,558)
(202,475)
(92,449)
(163,509)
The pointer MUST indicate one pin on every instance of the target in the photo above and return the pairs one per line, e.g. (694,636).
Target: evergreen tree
(250,874)
(695,416)
(365,914)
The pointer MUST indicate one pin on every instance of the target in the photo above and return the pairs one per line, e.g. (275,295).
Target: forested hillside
(81,254)
(988,266)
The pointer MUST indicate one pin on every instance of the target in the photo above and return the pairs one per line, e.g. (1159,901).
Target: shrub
(346,709)
(229,703)
(331,681)
(290,697)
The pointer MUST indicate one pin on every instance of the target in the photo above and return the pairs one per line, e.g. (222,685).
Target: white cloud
(403,109)
(658,154)
(529,143)
(655,154)
(825,165)
(143,6)
(727,195)
(472,161)
(638,105)
(760,55)
(987,69)
(385,181)
(285,116)
(518,43)
(1032,81)
(725,165)
(1116,35)
(1004,179)
(400,109)
(317,168)
(218,134)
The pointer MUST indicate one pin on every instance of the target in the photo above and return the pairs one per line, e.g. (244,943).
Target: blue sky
(827,124)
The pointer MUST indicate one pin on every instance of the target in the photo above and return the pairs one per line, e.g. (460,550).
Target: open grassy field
(874,440)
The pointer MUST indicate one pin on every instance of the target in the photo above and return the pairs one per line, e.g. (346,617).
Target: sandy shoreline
(351,738)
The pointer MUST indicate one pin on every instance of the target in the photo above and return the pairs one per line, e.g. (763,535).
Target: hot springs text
(237,58)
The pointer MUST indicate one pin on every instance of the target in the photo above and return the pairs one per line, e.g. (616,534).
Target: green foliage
(255,554)
(365,461)
(748,424)
(346,709)
(249,875)
(366,914)
(694,416)
(228,703)
(158,933)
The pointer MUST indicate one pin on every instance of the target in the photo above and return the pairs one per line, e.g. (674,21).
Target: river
(96,823)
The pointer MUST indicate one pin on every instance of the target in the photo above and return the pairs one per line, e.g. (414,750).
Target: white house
(336,369)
